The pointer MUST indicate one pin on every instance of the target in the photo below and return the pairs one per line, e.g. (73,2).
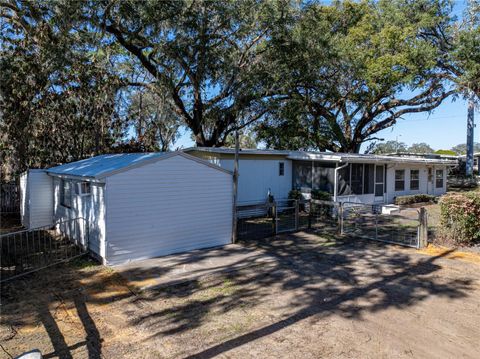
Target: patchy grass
(316,298)
(448,253)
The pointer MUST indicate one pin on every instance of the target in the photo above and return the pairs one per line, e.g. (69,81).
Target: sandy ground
(314,299)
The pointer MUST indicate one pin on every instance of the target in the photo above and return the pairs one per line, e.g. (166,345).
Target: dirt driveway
(314,299)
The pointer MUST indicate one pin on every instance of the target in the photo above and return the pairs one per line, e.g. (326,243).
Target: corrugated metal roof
(327,156)
(101,166)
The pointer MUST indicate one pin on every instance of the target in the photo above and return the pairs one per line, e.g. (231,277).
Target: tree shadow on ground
(327,279)
(324,278)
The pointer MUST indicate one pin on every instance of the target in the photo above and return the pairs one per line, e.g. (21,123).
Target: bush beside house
(316,194)
(416,198)
(460,217)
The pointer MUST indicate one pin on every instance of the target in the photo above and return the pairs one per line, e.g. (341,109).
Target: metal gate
(404,226)
(286,215)
(30,250)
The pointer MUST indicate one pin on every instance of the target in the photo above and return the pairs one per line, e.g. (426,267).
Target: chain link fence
(400,226)
(405,227)
(30,250)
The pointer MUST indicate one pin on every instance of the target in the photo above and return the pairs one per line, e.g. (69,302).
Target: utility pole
(472,17)
(470,126)
(235,187)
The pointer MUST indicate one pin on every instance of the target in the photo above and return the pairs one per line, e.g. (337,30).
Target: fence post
(340,218)
(310,213)
(423,228)
(274,218)
(296,214)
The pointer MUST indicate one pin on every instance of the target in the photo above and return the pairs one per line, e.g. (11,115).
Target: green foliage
(58,104)
(446,152)
(389,147)
(295,194)
(460,217)
(153,118)
(246,139)
(210,57)
(321,195)
(420,148)
(348,67)
(78,77)
(461,149)
(416,198)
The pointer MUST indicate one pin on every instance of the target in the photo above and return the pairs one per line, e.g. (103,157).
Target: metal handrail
(41,227)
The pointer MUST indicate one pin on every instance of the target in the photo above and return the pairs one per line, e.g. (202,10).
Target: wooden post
(340,218)
(423,228)
(235,188)
(310,214)
(297,213)
(274,218)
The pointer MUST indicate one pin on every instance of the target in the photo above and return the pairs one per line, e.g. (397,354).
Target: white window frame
(81,188)
(399,180)
(281,169)
(439,178)
(417,180)
(63,183)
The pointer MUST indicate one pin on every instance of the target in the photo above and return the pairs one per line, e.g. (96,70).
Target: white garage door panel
(170,206)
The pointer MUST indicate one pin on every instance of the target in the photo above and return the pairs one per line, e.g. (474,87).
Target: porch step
(390,208)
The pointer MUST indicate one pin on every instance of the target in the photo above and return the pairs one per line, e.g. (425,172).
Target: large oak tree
(209,56)
(352,69)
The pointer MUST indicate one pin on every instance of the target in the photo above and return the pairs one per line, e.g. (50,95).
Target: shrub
(416,198)
(321,195)
(460,217)
(295,194)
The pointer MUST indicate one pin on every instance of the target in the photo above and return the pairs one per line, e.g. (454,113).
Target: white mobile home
(143,205)
(347,177)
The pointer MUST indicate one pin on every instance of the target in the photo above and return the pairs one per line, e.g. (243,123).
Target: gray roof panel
(327,156)
(101,166)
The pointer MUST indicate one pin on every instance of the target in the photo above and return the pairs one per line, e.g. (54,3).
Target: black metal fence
(30,250)
(255,220)
(9,198)
(387,224)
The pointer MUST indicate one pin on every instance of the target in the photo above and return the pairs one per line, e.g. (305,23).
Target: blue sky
(444,128)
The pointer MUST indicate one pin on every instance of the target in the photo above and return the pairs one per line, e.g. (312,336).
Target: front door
(379,183)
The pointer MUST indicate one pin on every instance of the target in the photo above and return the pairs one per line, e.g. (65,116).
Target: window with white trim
(399,180)
(281,169)
(66,193)
(439,178)
(83,188)
(414,180)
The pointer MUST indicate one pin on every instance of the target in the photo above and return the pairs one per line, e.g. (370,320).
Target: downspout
(335,189)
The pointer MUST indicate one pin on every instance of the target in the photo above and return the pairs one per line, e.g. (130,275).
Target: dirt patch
(314,298)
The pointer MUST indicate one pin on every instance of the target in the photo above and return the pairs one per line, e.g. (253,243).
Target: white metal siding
(256,177)
(169,206)
(40,191)
(91,207)
(424,186)
(36,199)
(24,212)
